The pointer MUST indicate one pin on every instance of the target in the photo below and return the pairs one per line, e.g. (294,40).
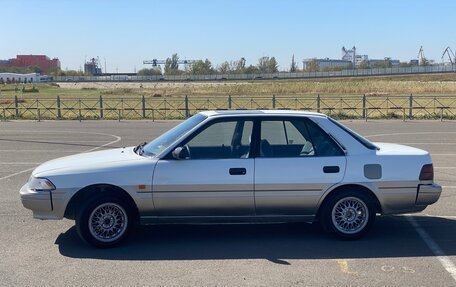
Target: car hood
(87,160)
(397,149)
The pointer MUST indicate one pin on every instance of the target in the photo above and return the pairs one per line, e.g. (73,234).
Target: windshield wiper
(139,149)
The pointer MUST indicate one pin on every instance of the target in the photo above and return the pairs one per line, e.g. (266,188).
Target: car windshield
(165,140)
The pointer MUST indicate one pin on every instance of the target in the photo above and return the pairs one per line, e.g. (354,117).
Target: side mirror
(177,153)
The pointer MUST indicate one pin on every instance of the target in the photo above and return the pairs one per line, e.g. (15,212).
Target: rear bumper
(428,194)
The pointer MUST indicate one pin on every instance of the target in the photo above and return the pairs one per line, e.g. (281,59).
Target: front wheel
(348,215)
(104,222)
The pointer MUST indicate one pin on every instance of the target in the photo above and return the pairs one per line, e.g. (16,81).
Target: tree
(251,70)
(364,64)
(268,65)
(201,68)
(224,68)
(239,66)
(312,66)
(424,61)
(293,66)
(172,65)
(149,72)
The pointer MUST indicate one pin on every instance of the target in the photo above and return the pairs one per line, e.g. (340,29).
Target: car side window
(227,139)
(285,138)
(323,143)
(295,138)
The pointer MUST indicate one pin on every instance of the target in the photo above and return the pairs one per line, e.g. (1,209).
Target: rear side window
(324,144)
(362,140)
(295,138)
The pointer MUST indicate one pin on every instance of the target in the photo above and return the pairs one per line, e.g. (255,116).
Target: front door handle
(238,171)
(331,169)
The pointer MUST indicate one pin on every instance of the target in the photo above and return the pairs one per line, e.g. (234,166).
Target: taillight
(427,172)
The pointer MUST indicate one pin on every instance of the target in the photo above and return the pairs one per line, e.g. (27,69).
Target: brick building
(41,61)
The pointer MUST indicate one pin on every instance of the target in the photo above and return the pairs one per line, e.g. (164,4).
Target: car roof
(260,113)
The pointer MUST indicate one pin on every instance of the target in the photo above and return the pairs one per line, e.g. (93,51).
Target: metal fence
(281,75)
(403,107)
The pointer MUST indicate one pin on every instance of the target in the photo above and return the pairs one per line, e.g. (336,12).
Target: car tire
(348,215)
(104,221)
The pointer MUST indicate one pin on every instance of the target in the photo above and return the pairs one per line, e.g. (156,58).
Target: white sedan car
(236,166)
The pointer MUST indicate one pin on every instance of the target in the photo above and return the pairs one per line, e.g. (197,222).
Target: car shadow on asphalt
(391,236)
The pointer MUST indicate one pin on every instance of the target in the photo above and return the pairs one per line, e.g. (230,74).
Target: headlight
(40,184)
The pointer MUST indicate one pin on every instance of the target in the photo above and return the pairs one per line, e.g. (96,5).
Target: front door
(214,179)
(297,162)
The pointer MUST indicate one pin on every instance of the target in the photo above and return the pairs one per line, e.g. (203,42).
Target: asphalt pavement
(407,250)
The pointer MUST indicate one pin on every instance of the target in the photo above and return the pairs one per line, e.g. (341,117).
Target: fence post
(101,107)
(364,107)
(411,107)
(187,114)
(143,102)
(16,104)
(80,115)
(39,114)
(59,112)
(4,114)
(318,103)
(229,102)
(273,102)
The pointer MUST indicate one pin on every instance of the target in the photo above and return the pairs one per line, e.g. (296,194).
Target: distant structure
(43,62)
(19,78)
(92,67)
(350,59)
(327,62)
(351,56)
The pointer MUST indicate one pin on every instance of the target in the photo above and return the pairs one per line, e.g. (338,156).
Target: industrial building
(43,62)
(92,67)
(19,78)
(323,63)
(348,60)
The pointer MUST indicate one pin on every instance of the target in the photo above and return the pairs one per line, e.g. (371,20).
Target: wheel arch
(89,191)
(353,187)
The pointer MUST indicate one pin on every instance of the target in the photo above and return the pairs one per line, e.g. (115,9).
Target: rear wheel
(104,221)
(348,214)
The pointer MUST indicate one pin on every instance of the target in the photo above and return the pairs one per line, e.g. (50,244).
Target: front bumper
(428,194)
(41,203)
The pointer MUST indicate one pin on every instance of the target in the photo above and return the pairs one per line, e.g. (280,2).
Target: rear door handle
(238,171)
(331,169)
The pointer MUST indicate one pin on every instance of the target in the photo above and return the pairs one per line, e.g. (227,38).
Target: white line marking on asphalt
(448,186)
(435,248)
(399,134)
(117,139)
(18,162)
(426,143)
(441,216)
(37,150)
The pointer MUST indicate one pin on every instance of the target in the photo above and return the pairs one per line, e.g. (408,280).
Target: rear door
(297,162)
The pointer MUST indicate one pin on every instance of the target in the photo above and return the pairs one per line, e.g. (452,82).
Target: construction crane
(421,58)
(450,54)
(156,62)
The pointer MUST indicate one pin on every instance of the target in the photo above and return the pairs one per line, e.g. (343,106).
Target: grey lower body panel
(225,219)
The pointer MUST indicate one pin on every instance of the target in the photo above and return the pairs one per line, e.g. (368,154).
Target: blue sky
(127,32)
